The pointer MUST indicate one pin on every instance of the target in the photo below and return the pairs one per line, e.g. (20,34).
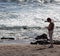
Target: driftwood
(9,38)
(57,42)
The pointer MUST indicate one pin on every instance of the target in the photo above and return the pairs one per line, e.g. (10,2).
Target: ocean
(25,21)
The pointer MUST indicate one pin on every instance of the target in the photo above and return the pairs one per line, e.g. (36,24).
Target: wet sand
(28,50)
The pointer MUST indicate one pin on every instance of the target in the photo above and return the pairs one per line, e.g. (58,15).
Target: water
(28,14)
(14,18)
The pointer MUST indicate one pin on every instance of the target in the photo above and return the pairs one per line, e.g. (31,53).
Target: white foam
(29,14)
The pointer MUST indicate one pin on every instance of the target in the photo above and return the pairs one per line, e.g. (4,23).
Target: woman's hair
(49,19)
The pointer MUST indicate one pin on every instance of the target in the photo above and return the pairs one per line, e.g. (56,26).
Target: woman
(50,31)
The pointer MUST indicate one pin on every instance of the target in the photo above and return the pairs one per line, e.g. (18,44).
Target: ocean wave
(44,1)
(12,14)
(3,27)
